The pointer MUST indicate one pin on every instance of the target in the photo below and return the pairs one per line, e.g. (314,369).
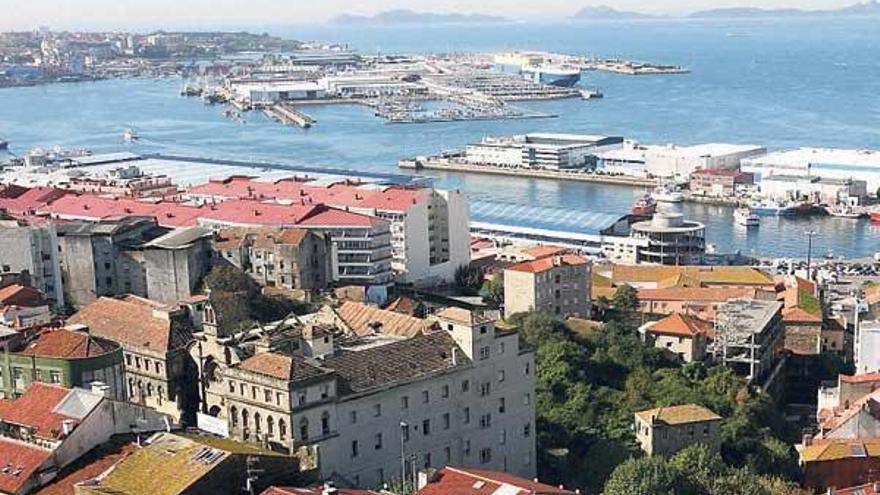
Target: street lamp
(403,428)
(810,233)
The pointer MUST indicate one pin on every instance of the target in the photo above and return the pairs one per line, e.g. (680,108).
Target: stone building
(558,285)
(666,430)
(154,340)
(63,357)
(460,393)
(33,250)
(682,335)
(285,258)
(176,262)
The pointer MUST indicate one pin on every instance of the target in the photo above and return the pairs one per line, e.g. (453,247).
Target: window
(354,448)
(158,367)
(447,455)
(404,430)
(233,413)
(485,455)
(128,359)
(426,427)
(527,430)
(528,399)
(325,391)
(353,417)
(55,377)
(444,392)
(270,426)
(467,415)
(278,397)
(501,348)
(528,368)
(325,423)
(427,460)
(242,389)
(282,430)
(502,438)
(404,402)
(231,386)
(377,410)
(378,445)
(426,396)
(137,362)
(304,429)
(484,352)
(483,330)
(467,447)
(267,395)
(500,375)
(485,420)
(446,421)
(501,405)
(485,389)
(465,386)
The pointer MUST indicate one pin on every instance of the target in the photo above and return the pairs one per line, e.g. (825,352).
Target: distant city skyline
(207,14)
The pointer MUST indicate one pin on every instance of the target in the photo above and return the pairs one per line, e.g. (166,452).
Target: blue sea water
(780,83)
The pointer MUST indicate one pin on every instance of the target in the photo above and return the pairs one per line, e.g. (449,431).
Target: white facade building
(866,352)
(33,250)
(540,150)
(820,162)
(674,161)
(817,189)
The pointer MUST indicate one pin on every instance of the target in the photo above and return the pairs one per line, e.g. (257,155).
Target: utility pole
(403,429)
(810,233)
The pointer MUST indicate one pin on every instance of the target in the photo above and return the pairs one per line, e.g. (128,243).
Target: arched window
(258,423)
(131,387)
(304,429)
(244,424)
(270,426)
(325,423)
(149,390)
(282,430)
(160,392)
(233,414)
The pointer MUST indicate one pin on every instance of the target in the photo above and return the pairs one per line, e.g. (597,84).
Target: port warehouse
(545,150)
(826,163)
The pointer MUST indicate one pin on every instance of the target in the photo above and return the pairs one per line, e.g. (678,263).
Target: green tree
(493,290)
(469,279)
(625,300)
(646,476)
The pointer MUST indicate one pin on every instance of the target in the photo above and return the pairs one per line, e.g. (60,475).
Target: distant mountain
(403,16)
(870,8)
(606,13)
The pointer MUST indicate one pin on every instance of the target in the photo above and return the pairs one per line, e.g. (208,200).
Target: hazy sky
(148,14)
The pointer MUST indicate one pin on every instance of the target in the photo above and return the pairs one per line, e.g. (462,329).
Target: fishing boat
(874,215)
(667,194)
(129,136)
(745,217)
(644,206)
(591,94)
(843,211)
(774,209)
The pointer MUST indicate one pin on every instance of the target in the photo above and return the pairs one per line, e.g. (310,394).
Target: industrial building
(540,150)
(642,160)
(825,163)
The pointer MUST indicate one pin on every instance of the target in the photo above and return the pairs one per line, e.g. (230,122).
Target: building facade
(671,240)
(557,285)
(33,250)
(667,430)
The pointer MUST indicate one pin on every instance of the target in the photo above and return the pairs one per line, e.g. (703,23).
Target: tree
(625,300)
(493,290)
(645,476)
(469,279)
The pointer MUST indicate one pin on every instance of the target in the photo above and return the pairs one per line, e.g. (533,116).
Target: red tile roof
(331,217)
(87,467)
(711,294)
(270,364)
(862,378)
(31,200)
(461,481)
(544,251)
(67,344)
(681,325)
(21,295)
(93,208)
(23,460)
(35,408)
(314,490)
(543,264)
(253,213)
(130,321)
(365,319)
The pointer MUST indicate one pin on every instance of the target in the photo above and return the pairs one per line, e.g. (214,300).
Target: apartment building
(558,285)
(460,394)
(748,338)
(33,250)
(287,258)
(666,430)
(175,263)
(682,335)
(154,339)
(429,227)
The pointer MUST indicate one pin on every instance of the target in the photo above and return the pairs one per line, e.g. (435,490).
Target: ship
(129,136)
(645,206)
(774,209)
(746,218)
(667,194)
(843,211)
(552,75)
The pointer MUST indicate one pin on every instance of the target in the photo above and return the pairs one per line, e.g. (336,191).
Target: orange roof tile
(710,294)
(130,322)
(538,252)
(464,481)
(543,264)
(364,319)
(861,378)
(23,459)
(67,344)
(681,325)
(270,364)
(36,409)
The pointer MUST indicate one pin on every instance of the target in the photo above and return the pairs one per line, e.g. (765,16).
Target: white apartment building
(819,162)
(540,150)
(461,394)
(671,160)
(33,250)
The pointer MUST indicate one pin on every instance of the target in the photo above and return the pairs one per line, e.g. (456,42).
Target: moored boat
(774,209)
(874,215)
(843,211)
(644,206)
(745,217)
(667,194)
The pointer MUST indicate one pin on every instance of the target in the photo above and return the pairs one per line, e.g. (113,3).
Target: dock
(446,165)
(288,115)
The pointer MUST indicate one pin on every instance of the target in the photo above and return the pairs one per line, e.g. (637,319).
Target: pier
(288,115)
(576,175)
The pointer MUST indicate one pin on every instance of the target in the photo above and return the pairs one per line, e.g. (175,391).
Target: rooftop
(281,367)
(678,415)
(707,275)
(837,449)
(131,321)
(67,344)
(313,490)
(38,408)
(680,325)
(24,459)
(541,265)
(870,159)
(365,319)
(466,481)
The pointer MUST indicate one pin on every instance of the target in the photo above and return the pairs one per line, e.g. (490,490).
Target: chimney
(100,388)
(426,477)
(67,426)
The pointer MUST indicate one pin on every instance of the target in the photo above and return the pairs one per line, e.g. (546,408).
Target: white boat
(843,211)
(667,194)
(745,217)
(130,136)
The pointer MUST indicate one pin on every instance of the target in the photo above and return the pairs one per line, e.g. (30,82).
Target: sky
(153,14)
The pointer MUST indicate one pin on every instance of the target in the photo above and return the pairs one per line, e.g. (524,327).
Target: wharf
(287,114)
(450,166)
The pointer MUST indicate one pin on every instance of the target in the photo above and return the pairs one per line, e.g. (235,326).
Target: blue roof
(539,217)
